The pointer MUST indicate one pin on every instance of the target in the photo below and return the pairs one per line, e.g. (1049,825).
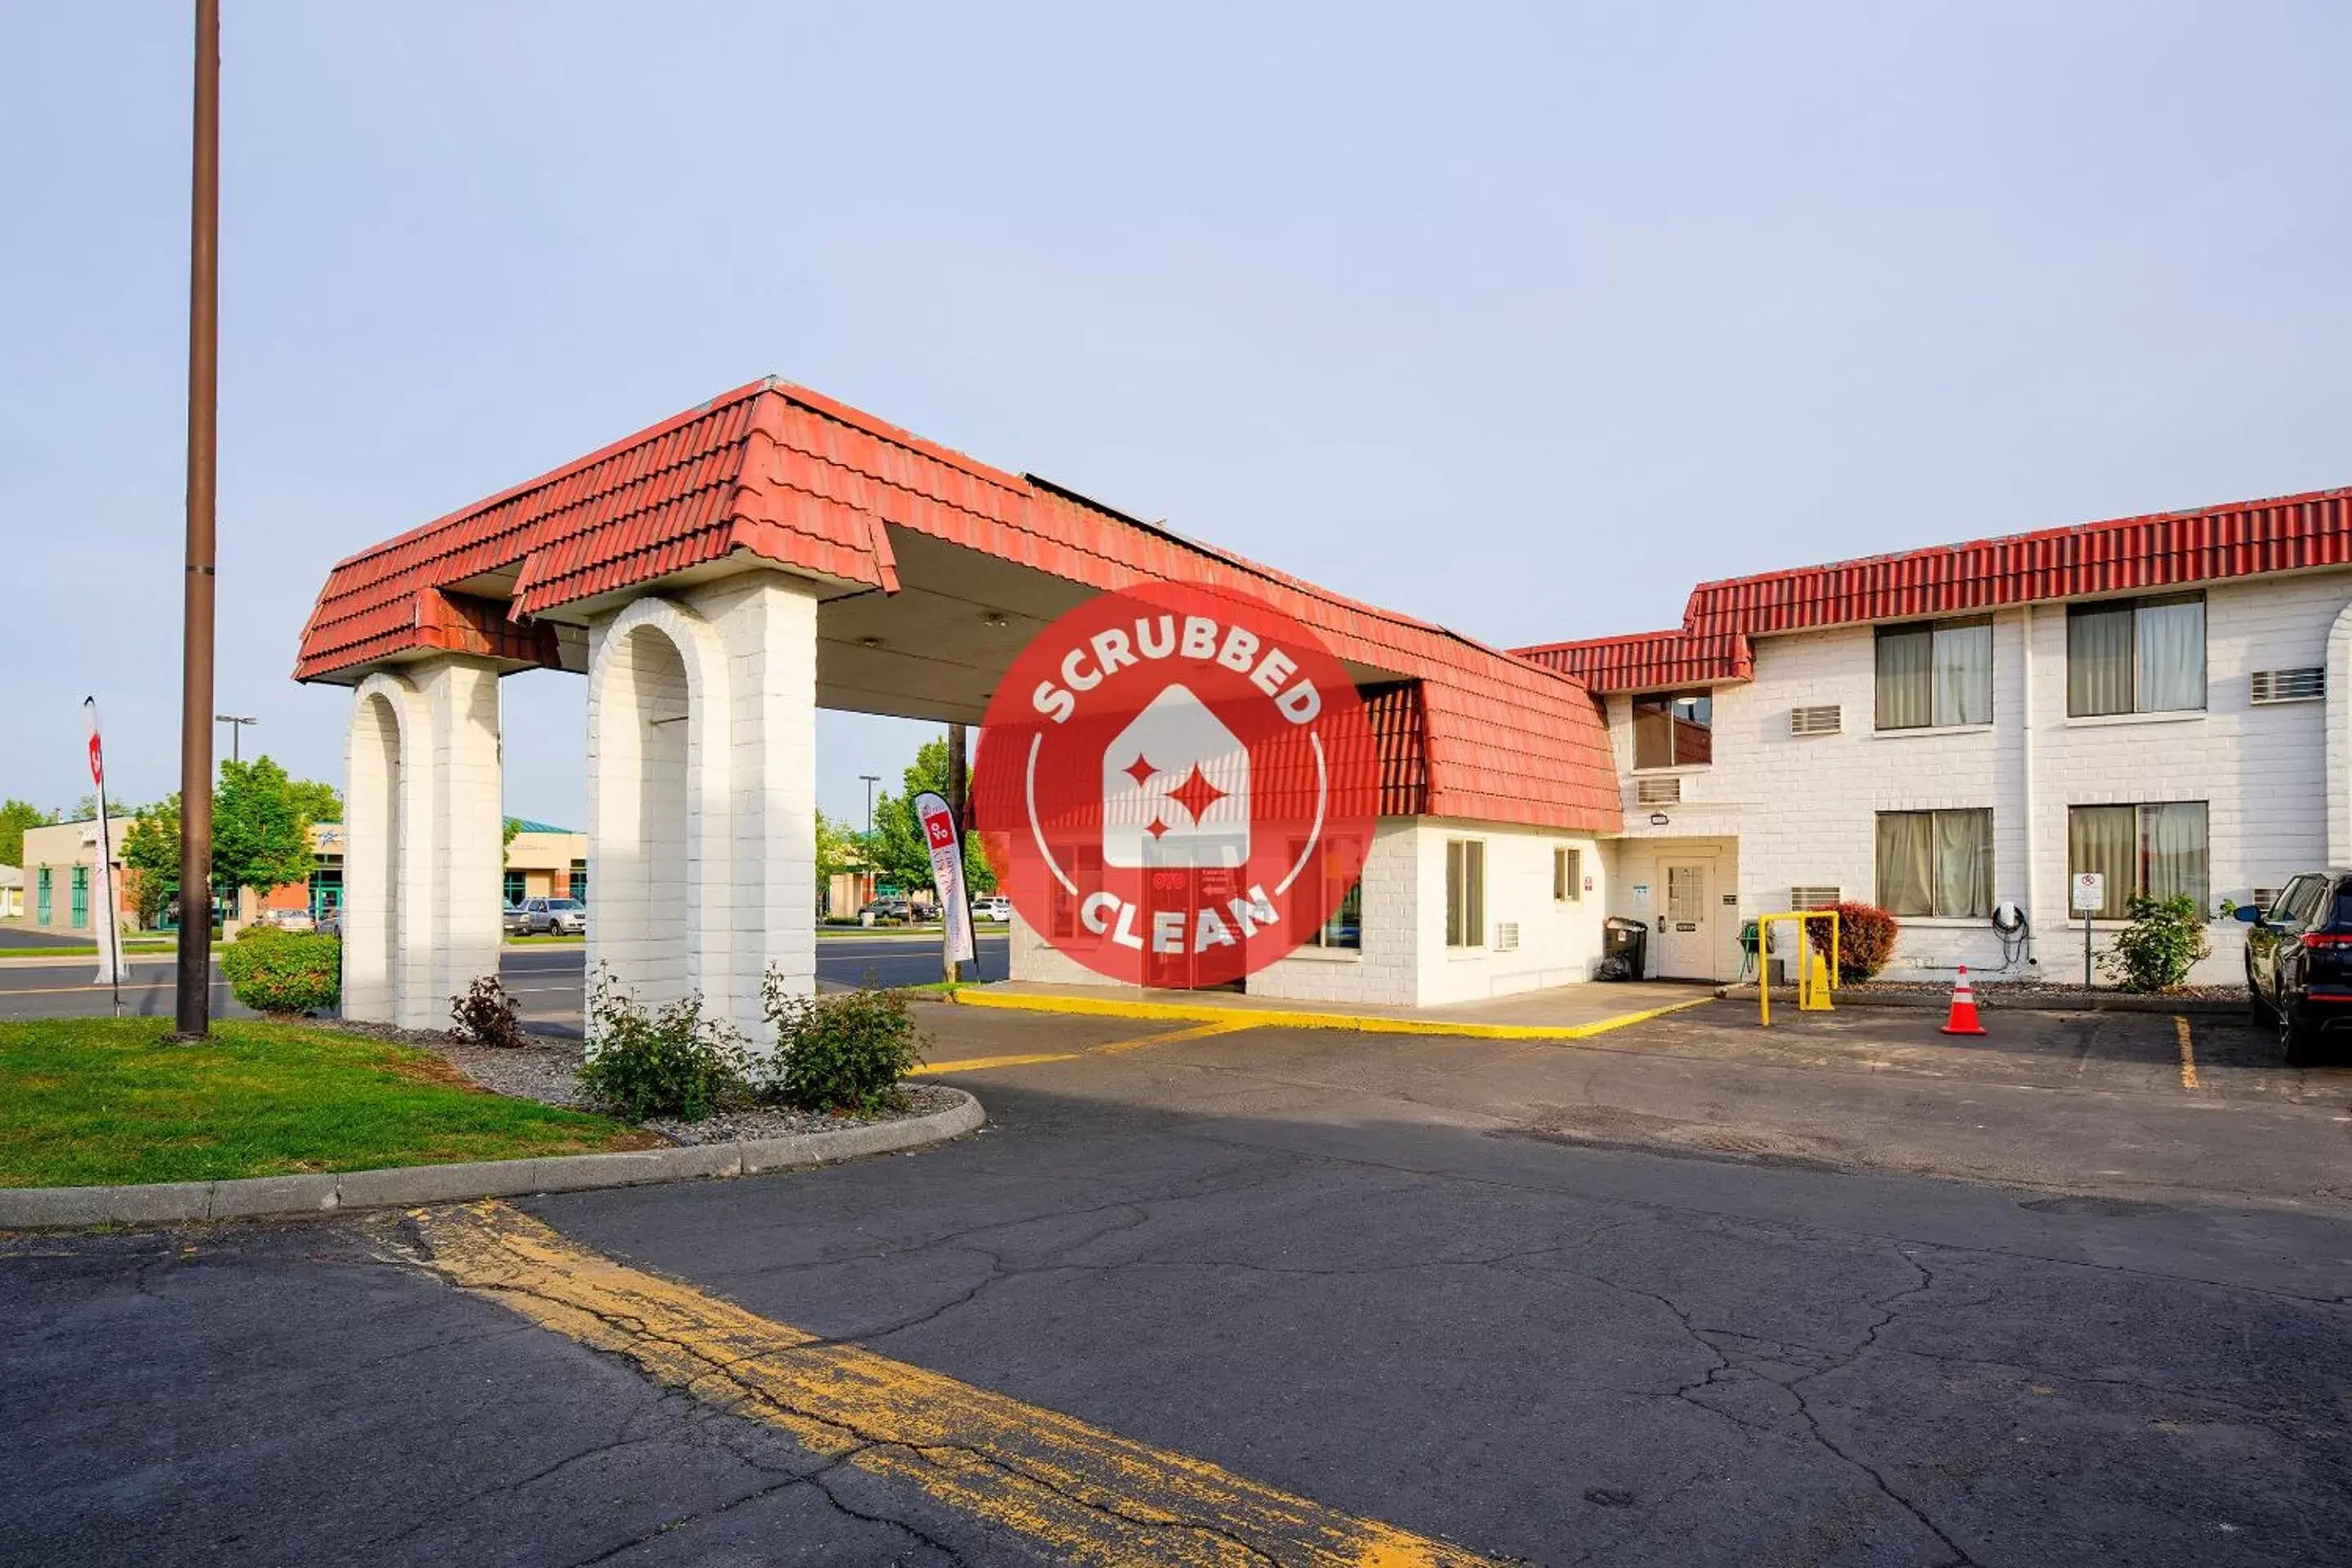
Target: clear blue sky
(1523,318)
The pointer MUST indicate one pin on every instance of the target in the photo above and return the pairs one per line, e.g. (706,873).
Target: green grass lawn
(543,938)
(96,1101)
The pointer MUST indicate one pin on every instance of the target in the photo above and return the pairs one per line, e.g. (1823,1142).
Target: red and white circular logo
(1178,786)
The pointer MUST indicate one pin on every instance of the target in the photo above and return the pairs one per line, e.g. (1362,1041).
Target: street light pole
(236,728)
(193,1003)
(871,780)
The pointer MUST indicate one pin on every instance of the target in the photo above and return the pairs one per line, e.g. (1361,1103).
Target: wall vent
(2263,897)
(1667,790)
(1827,720)
(1815,898)
(2290,685)
(1506,936)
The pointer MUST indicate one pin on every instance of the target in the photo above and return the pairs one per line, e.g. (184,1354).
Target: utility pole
(954,971)
(193,1009)
(236,728)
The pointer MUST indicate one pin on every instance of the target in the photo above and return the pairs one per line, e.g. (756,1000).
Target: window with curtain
(1567,875)
(1674,729)
(1936,864)
(1935,673)
(2142,851)
(2135,656)
(1465,892)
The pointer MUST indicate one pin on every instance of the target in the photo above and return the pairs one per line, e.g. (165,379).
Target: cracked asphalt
(1684,1296)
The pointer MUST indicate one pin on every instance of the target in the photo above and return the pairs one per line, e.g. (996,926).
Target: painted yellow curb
(1281,1018)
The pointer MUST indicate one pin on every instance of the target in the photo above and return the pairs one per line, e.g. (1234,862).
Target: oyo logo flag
(1178,785)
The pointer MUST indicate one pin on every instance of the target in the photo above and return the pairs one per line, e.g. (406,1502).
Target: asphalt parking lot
(1685,1294)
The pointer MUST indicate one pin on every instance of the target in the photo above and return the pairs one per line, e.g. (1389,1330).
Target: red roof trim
(2123,556)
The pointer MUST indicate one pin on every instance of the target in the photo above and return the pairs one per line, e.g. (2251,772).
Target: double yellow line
(1083,1493)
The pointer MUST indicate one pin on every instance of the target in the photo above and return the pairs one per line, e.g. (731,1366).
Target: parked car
(886,913)
(555,917)
(516,920)
(2299,962)
(996,907)
(290,919)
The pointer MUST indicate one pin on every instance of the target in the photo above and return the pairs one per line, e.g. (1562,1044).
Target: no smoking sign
(1179,785)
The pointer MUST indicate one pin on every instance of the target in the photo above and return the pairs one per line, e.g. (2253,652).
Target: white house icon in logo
(1176,788)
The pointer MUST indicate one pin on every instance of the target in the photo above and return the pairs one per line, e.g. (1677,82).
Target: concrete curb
(165,1201)
(1283,1018)
(1989,997)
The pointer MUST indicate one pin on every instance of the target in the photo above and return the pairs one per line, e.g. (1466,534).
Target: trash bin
(1623,944)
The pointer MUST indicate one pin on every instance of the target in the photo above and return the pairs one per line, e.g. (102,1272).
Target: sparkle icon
(1176,788)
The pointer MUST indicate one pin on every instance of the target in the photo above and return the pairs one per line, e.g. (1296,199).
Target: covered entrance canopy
(721,574)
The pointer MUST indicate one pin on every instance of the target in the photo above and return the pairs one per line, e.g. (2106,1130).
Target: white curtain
(2171,655)
(2099,661)
(1907,862)
(2175,842)
(2104,839)
(1963,863)
(1964,673)
(1906,680)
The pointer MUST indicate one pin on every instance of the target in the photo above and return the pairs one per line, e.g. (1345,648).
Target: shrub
(641,1062)
(1865,940)
(487,1014)
(2155,952)
(843,1053)
(273,970)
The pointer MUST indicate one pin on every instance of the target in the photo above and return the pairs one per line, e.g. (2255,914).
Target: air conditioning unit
(1506,936)
(1827,720)
(1815,898)
(1667,790)
(2290,685)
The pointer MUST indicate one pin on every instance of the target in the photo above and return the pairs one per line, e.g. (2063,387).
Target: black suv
(2299,960)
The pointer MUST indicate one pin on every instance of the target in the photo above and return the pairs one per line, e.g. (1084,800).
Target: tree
(318,800)
(15,815)
(260,838)
(898,851)
(837,849)
(151,849)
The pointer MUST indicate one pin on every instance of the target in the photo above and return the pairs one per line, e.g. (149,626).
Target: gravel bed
(547,1069)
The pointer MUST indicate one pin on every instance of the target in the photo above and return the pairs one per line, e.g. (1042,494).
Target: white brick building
(2159,699)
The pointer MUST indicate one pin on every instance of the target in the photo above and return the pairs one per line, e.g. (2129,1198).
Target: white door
(1685,951)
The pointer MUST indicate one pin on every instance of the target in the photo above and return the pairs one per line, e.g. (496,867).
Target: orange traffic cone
(1963,1017)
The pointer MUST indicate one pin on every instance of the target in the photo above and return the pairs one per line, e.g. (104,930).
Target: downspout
(2338,682)
(2025,789)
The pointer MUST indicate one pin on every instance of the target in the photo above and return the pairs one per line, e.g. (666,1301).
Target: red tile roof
(2246,539)
(785,475)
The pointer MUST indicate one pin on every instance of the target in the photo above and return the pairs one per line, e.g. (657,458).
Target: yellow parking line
(1293,1018)
(1082,1493)
(2188,1053)
(1167,1037)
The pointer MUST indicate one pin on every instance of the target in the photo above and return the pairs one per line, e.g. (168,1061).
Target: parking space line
(1085,1494)
(1165,1037)
(2188,1052)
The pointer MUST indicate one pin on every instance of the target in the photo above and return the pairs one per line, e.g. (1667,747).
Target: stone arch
(658,811)
(382,830)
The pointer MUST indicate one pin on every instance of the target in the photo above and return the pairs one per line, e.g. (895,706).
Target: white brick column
(422,840)
(2338,741)
(702,794)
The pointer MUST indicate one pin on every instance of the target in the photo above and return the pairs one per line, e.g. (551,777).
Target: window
(2143,852)
(1465,892)
(1673,730)
(1936,864)
(43,899)
(578,888)
(514,887)
(1343,927)
(81,897)
(1567,875)
(1935,673)
(2135,656)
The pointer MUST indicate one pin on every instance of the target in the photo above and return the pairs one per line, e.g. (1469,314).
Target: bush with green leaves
(2157,949)
(644,1063)
(1865,940)
(274,971)
(844,1053)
